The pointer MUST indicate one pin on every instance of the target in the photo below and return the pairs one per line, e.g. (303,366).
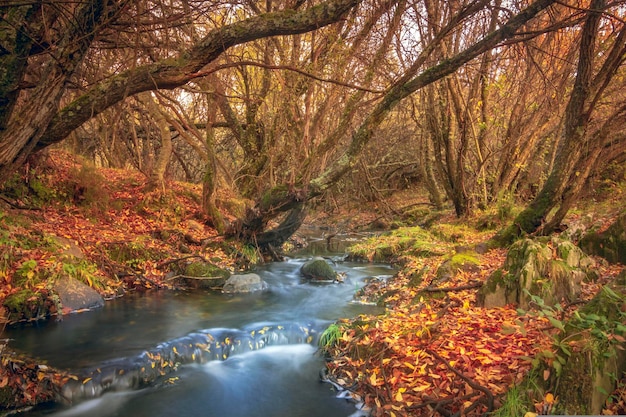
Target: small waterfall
(197,347)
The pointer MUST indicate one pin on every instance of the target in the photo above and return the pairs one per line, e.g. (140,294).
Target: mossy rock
(204,275)
(464,261)
(499,290)
(25,305)
(587,375)
(610,244)
(318,269)
(552,270)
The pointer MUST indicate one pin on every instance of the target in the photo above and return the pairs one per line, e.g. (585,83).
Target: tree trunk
(562,185)
(24,127)
(156,178)
(209,181)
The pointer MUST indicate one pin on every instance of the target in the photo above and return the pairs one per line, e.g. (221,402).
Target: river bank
(435,349)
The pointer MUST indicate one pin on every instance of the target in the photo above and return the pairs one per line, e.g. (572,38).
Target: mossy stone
(318,269)
(204,275)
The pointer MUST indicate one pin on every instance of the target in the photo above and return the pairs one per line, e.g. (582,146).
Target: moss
(25,304)
(579,382)
(497,279)
(453,232)
(318,269)
(135,253)
(430,295)
(413,241)
(273,196)
(465,258)
(204,269)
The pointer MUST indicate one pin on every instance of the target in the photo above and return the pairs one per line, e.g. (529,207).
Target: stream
(278,380)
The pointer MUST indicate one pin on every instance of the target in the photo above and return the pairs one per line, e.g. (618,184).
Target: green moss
(497,279)
(413,241)
(430,295)
(204,269)
(318,269)
(465,258)
(273,196)
(25,304)
(135,253)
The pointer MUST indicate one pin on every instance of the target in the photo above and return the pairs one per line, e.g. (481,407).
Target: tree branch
(172,73)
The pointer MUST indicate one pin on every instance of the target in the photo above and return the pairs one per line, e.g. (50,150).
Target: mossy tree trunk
(210,180)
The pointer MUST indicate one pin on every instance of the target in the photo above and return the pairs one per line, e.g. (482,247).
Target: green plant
(26,273)
(557,356)
(330,337)
(84,271)
(250,253)
(515,404)
(599,330)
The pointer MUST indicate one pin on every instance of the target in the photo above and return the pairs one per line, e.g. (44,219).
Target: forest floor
(434,348)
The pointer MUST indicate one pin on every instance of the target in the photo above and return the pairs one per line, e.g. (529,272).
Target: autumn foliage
(433,352)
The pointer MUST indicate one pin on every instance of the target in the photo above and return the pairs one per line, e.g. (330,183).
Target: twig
(454,289)
(382,372)
(145,278)
(469,381)
(190,277)
(173,261)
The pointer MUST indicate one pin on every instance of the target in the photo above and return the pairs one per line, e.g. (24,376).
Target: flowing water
(274,381)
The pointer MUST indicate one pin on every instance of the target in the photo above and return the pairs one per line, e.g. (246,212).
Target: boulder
(74,295)
(464,260)
(203,275)
(550,270)
(244,283)
(317,269)
(610,244)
